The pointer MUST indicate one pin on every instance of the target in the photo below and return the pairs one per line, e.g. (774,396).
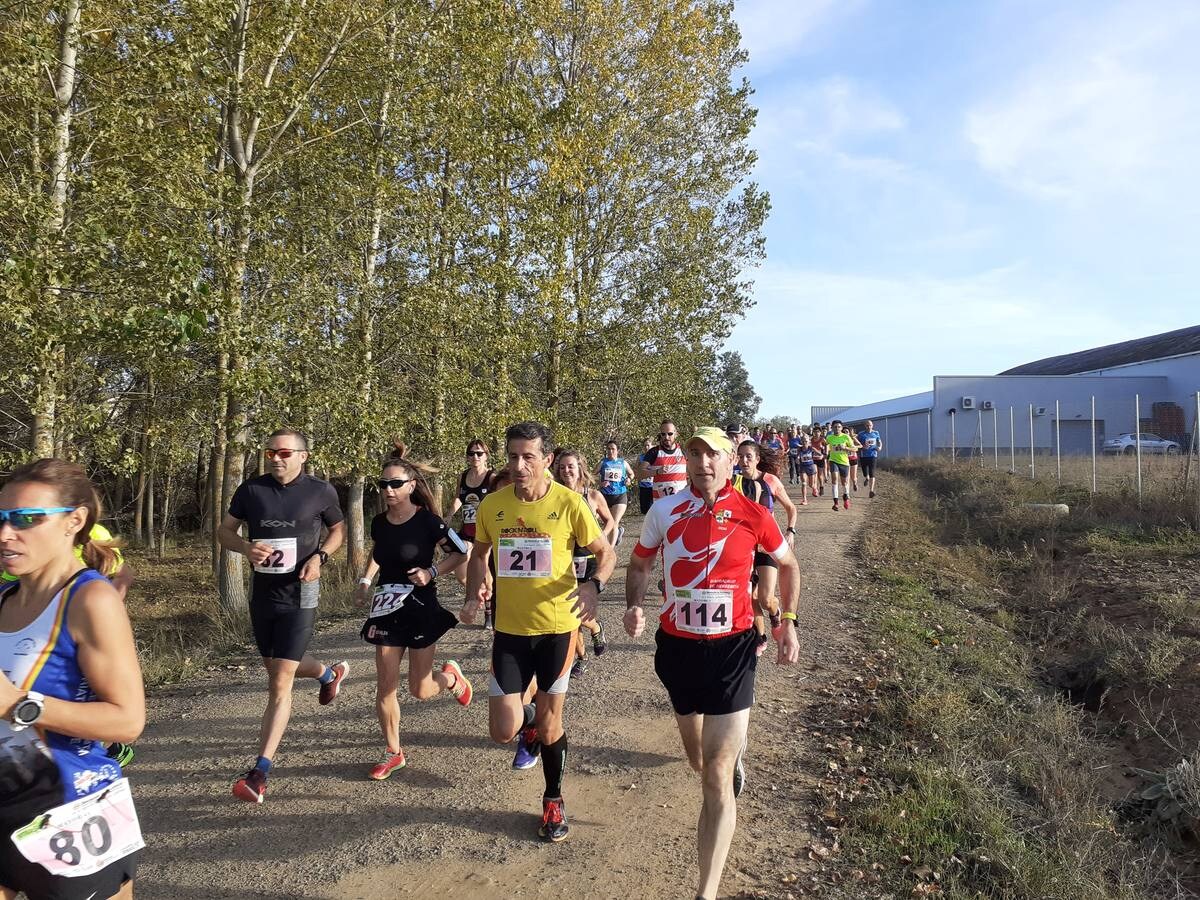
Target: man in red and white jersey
(706,640)
(666,464)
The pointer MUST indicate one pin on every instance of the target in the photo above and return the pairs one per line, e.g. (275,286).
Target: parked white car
(1151,443)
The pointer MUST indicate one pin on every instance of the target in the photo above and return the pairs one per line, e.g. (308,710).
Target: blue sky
(958,188)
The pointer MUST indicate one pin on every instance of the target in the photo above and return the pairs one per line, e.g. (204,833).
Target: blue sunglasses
(27,517)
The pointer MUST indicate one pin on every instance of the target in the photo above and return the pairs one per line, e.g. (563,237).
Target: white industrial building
(1161,374)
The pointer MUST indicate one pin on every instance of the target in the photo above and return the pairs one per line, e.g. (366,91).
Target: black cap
(734,428)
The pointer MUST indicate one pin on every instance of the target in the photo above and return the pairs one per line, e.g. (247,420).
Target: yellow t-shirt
(532,546)
(98,533)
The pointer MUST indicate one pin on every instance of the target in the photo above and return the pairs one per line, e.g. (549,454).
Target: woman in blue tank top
(615,476)
(69,684)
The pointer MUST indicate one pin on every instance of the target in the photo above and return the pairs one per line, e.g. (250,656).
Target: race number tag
(581,566)
(666,490)
(468,514)
(282,560)
(527,557)
(388,598)
(613,476)
(703,611)
(82,837)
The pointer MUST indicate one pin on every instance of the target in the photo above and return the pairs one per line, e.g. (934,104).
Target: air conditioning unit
(1039,410)
(986,404)
(968,403)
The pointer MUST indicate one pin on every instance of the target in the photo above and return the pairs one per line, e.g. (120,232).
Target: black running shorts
(281,631)
(764,559)
(867,465)
(621,499)
(19,874)
(840,469)
(645,498)
(518,658)
(713,677)
(416,625)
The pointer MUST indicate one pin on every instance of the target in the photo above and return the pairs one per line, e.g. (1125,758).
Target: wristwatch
(28,711)
(324,556)
(598,583)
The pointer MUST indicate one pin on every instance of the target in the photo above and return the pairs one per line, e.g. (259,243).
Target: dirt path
(458,818)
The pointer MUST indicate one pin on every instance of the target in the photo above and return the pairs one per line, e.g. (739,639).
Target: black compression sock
(554,760)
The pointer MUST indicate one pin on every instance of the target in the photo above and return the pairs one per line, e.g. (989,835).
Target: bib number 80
(94,834)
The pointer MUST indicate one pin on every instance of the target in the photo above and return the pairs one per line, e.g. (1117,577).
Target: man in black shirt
(284,512)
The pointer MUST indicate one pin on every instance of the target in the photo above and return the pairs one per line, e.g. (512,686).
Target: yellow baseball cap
(714,437)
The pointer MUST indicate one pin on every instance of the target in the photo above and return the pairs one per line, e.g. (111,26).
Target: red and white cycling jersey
(668,471)
(708,556)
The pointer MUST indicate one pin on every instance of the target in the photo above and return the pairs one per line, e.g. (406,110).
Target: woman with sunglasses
(69,685)
(404,613)
(570,470)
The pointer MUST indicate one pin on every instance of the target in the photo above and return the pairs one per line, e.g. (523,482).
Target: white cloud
(775,30)
(1111,107)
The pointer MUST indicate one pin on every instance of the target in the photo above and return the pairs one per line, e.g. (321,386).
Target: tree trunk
(149,516)
(139,500)
(165,522)
(357,550)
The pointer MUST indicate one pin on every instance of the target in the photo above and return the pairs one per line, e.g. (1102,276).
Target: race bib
(468,514)
(666,489)
(388,598)
(581,566)
(613,476)
(527,557)
(82,837)
(703,611)
(282,560)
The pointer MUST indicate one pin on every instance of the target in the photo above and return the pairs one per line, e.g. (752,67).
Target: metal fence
(1128,460)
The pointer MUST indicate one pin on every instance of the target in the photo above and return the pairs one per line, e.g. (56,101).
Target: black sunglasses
(394,483)
(476,453)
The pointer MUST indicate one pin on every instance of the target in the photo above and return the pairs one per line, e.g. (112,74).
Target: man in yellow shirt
(530,530)
(839,445)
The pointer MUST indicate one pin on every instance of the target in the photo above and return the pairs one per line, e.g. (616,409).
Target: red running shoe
(554,821)
(251,787)
(391,762)
(464,696)
(330,691)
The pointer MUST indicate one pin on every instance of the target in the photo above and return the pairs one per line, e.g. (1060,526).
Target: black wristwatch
(598,583)
(324,556)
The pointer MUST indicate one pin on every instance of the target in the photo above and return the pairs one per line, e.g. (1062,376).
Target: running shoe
(251,787)
(389,764)
(578,668)
(804,503)
(121,754)
(822,490)
(871,494)
(620,534)
(845,501)
(330,691)
(528,749)
(599,641)
(554,821)
(739,773)
(835,505)
(464,696)
(487,622)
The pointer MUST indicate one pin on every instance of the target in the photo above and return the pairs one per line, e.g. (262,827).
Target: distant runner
(665,463)
(839,446)
(615,476)
(872,444)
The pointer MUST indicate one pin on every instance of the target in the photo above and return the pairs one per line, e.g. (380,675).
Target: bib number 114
(704,611)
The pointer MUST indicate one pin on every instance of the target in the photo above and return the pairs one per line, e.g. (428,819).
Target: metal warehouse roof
(1172,343)
(887,408)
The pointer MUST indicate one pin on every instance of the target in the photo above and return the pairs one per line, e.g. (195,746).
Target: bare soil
(458,818)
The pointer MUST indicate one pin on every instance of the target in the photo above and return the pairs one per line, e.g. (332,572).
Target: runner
(570,470)
(705,653)
(646,481)
(808,470)
(839,445)
(853,457)
(65,692)
(793,454)
(872,443)
(119,573)
(665,463)
(473,485)
(404,610)
(284,511)
(772,440)
(615,477)
(758,465)
(530,532)
(819,458)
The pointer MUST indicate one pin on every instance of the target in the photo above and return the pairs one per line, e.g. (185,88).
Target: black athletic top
(398,548)
(470,498)
(289,517)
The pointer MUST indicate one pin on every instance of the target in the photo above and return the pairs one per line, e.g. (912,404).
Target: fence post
(953,438)
(979,428)
(1032,462)
(1058,442)
(996,438)
(1012,440)
(1137,437)
(1093,443)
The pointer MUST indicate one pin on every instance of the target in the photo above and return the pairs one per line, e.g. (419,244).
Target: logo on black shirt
(276,523)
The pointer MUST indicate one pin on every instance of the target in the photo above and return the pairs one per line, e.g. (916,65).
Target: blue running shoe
(528,749)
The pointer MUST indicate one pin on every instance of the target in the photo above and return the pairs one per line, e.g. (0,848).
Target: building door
(1076,436)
